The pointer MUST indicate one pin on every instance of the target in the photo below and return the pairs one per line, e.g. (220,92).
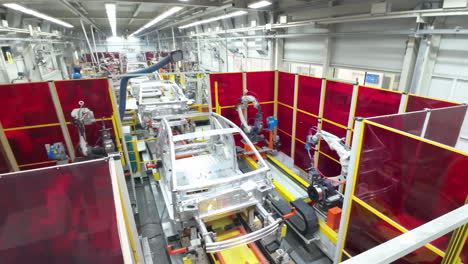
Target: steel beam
(199,3)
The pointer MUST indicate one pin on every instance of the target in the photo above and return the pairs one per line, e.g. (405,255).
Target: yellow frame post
(62,120)
(293,137)
(6,149)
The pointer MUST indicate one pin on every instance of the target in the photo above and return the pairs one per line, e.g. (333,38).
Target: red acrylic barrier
(418,103)
(231,114)
(328,167)
(310,89)
(410,181)
(261,85)
(301,157)
(366,230)
(28,145)
(285,141)
(59,215)
(337,105)
(375,102)
(304,123)
(285,117)
(149,55)
(286,83)
(335,130)
(26,104)
(444,125)
(229,88)
(411,123)
(4,167)
(93,92)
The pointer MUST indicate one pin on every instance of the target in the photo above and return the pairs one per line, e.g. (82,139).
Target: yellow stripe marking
(37,163)
(288,106)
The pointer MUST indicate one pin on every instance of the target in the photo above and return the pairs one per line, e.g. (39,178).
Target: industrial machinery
(322,189)
(254,130)
(162,99)
(83,117)
(201,182)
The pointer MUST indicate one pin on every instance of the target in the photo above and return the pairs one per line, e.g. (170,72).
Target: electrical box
(455,3)
(381,8)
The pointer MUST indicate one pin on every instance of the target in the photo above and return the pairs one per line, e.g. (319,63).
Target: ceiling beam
(137,11)
(79,13)
(197,3)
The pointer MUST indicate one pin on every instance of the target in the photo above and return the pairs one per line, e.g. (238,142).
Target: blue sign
(372,78)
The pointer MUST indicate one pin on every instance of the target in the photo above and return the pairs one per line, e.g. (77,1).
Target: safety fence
(36,114)
(407,173)
(303,102)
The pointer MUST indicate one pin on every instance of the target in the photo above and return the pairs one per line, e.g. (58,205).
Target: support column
(327,52)
(425,65)
(279,55)
(409,63)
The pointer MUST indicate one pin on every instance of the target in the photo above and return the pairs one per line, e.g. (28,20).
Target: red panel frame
(261,85)
(26,104)
(285,141)
(445,125)
(409,180)
(28,145)
(301,157)
(93,92)
(286,83)
(373,102)
(335,130)
(229,88)
(285,118)
(310,89)
(59,215)
(304,123)
(338,97)
(418,103)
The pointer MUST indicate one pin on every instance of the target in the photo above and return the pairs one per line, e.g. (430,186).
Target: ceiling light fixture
(112,16)
(37,14)
(209,20)
(158,19)
(260,4)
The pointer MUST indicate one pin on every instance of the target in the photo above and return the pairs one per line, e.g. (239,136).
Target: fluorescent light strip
(37,14)
(209,20)
(112,16)
(260,4)
(158,19)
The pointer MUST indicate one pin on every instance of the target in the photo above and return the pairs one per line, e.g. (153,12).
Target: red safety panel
(149,55)
(411,123)
(229,88)
(285,118)
(304,123)
(338,98)
(366,230)
(310,89)
(285,142)
(92,134)
(26,104)
(231,114)
(286,88)
(328,167)
(28,145)
(445,125)
(335,130)
(374,102)
(410,181)
(93,92)
(261,85)
(59,215)
(4,168)
(417,103)
(301,157)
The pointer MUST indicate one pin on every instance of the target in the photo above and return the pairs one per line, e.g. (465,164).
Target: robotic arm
(335,143)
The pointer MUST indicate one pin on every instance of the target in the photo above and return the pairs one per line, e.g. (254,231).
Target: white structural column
(425,63)
(279,54)
(409,61)
(327,52)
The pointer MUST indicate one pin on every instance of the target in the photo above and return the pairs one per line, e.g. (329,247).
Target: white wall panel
(304,49)
(371,51)
(440,88)
(452,56)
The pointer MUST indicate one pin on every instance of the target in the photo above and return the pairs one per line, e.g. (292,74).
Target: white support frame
(352,112)
(348,191)
(412,240)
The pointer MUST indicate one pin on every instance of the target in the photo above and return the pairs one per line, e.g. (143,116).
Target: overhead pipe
(174,56)
(87,40)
